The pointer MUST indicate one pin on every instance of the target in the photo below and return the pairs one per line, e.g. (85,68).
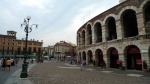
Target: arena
(119,34)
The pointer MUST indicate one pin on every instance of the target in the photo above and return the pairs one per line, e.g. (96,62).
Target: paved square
(61,73)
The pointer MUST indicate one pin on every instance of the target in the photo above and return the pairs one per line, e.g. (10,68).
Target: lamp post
(27,29)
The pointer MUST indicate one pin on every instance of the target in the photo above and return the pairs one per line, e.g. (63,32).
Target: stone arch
(133,57)
(110,15)
(126,8)
(97,32)
(146,14)
(98,21)
(110,23)
(140,9)
(99,57)
(90,56)
(129,23)
(89,23)
(89,34)
(113,57)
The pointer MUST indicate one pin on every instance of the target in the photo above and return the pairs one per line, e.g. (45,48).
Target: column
(104,33)
(140,23)
(119,29)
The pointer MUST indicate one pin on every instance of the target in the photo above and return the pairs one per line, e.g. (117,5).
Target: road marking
(135,75)
(90,69)
(70,64)
(69,67)
(107,71)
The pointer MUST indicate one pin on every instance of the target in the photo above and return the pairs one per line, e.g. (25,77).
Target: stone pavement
(64,73)
(15,77)
(53,72)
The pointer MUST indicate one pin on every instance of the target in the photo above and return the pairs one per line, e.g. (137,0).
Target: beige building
(9,45)
(62,49)
(51,50)
(121,33)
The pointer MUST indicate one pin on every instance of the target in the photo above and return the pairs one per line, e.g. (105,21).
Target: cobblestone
(51,73)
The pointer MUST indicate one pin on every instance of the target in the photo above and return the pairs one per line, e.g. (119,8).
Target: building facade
(63,49)
(9,45)
(51,50)
(121,33)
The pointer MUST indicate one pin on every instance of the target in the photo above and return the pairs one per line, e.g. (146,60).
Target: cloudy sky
(57,19)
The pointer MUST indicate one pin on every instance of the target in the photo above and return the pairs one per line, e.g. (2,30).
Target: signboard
(138,61)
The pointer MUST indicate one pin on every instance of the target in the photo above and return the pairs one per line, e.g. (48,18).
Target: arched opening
(90,57)
(89,34)
(84,57)
(113,58)
(79,37)
(99,57)
(129,23)
(133,57)
(98,32)
(147,17)
(83,37)
(111,24)
(34,49)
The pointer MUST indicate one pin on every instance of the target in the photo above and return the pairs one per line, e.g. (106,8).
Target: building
(51,51)
(121,33)
(63,49)
(10,46)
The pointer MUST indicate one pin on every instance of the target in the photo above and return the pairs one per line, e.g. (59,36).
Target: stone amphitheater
(119,34)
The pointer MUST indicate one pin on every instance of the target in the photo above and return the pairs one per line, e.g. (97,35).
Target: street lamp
(27,29)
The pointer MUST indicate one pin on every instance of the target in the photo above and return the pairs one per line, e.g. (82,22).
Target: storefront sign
(138,61)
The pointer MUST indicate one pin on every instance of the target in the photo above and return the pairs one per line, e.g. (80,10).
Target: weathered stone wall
(142,41)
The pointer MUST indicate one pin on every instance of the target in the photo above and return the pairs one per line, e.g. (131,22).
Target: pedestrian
(31,61)
(8,63)
(12,61)
(81,65)
(3,63)
(16,61)
(0,62)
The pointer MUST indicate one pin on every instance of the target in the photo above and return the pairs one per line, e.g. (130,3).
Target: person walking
(81,65)
(0,62)
(16,61)
(8,62)
(3,63)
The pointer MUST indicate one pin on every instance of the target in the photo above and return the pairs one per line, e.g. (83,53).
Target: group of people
(8,62)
